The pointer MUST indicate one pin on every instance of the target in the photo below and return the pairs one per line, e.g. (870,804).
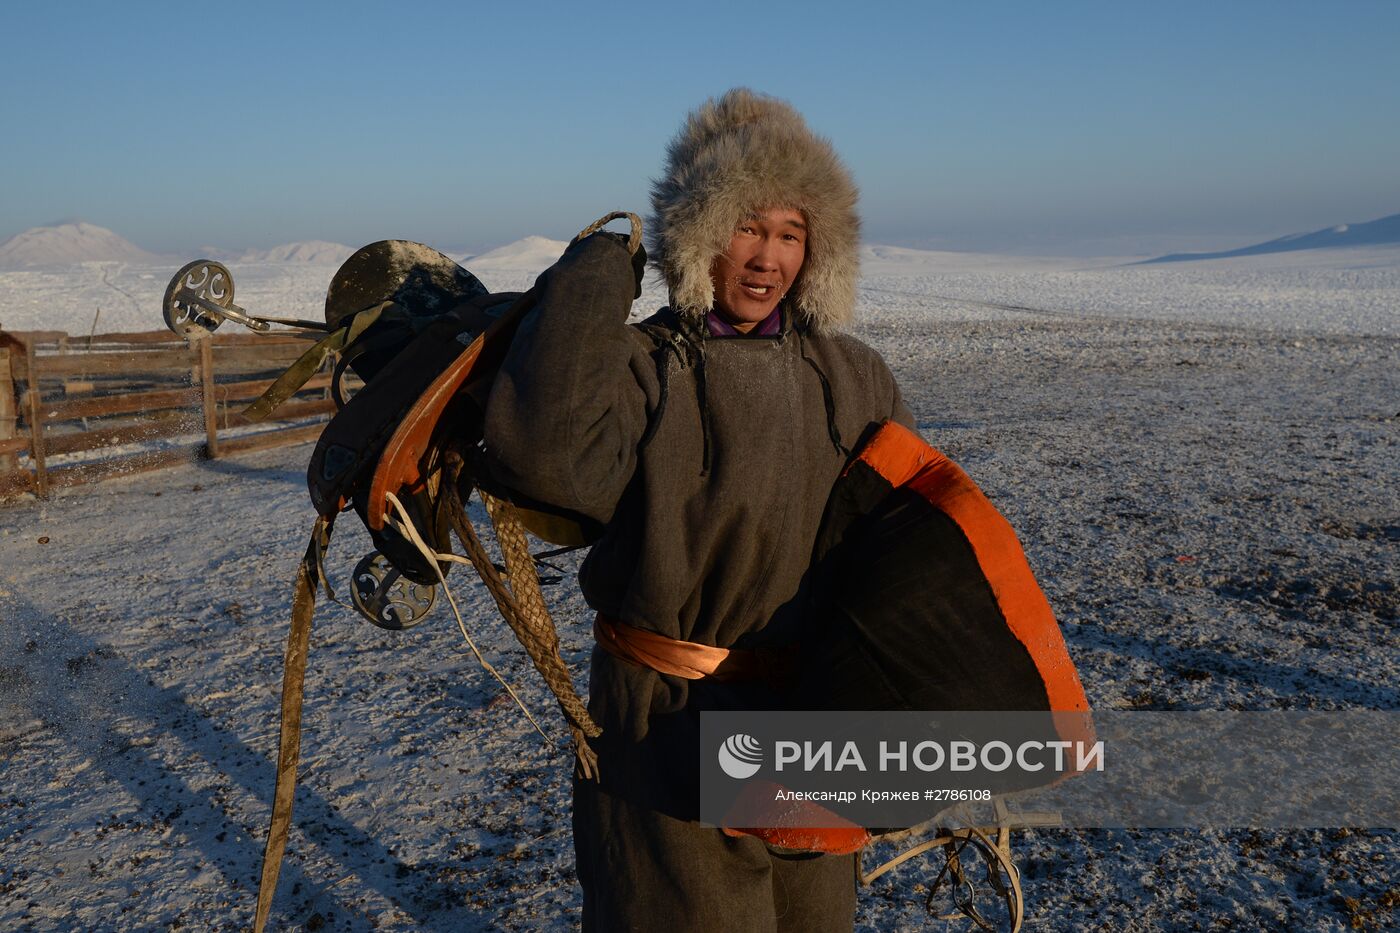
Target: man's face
(764,256)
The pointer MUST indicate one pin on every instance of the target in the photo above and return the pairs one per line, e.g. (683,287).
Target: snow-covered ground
(1201,460)
(1352,291)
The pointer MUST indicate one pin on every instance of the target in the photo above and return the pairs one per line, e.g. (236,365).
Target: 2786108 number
(957,794)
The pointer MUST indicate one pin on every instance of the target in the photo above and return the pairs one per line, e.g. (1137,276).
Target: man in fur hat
(703,442)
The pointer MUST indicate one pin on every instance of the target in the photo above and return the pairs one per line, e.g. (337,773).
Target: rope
(827,398)
(536,630)
(542,650)
(531,622)
(411,533)
(634,239)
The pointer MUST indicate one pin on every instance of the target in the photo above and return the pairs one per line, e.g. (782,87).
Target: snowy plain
(1201,460)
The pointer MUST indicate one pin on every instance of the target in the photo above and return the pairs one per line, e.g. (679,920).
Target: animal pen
(76,410)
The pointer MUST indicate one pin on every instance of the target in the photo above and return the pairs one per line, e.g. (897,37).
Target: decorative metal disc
(387,598)
(211,281)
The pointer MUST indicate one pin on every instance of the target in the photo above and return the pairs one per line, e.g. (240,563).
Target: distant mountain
(1375,233)
(532,254)
(67,243)
(318,252)
(877,259)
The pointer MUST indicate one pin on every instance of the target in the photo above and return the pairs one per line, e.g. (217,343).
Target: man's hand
(639,259)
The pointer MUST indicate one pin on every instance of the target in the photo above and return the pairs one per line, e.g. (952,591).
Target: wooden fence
(80,409)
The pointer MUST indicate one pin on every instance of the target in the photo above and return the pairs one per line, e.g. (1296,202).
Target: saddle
(404,453)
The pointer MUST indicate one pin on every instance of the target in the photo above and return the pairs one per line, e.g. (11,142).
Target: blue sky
(1049,127)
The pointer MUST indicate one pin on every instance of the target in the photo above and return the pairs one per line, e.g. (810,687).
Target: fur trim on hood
(744,153)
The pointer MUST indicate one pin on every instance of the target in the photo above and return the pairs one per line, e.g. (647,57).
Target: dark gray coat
(707,460)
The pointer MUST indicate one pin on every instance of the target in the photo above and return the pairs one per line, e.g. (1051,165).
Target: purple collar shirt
(770,326)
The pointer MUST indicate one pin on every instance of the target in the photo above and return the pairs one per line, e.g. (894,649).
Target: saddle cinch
(403,452)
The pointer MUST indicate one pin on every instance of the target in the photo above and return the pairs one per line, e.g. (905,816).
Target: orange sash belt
(695,661)
(687,659)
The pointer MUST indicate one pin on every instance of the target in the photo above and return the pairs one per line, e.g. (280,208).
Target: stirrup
(1002,875)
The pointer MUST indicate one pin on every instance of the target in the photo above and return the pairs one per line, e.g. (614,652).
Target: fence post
(7,408)
(36,421)
(202,343)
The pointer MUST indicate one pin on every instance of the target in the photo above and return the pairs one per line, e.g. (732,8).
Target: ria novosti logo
(741,756)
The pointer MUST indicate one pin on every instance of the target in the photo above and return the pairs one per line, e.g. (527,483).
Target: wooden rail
(80,409)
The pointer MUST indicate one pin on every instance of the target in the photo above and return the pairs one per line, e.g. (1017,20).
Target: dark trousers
(642,870)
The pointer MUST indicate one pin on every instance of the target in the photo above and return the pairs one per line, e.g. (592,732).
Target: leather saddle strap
(289,739)
(300,372)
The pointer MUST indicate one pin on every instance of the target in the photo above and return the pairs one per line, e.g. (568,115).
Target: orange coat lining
(903,458)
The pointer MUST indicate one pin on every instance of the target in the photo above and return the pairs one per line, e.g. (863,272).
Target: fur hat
(743,153)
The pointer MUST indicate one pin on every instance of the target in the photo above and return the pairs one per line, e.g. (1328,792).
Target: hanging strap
(522,605)
(404,525)
(300,372)
(289,739)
